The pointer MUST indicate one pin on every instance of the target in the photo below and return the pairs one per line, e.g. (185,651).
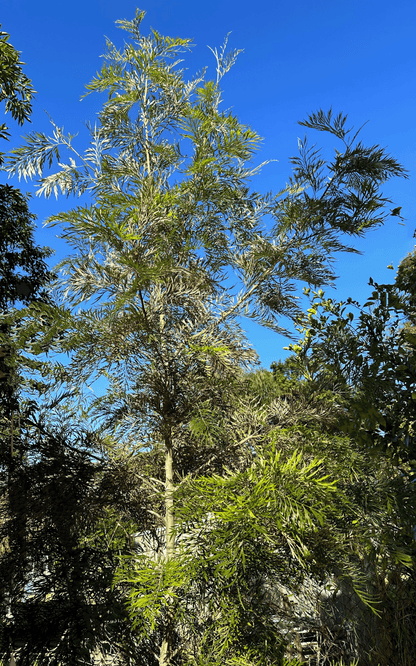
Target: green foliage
(163,149)
(61,543)
(365,356)
(221,559)
(229,489)
(19,253)
(377,519)
(17,249)
(370,356)
(15,87)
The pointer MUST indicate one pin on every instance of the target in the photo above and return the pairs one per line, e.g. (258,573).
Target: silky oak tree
(172,249)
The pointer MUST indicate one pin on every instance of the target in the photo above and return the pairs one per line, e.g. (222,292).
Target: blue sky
(357,56)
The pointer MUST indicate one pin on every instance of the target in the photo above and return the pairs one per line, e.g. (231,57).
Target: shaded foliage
(64,522)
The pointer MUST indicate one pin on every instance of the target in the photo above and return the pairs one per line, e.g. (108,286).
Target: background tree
(365,356)
(172,219)
(369,350)
(23,278)
(17,249)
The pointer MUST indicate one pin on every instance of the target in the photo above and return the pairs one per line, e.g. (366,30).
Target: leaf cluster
(15,87)
(368,351)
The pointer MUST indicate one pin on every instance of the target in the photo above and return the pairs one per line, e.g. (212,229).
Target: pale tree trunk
(166,647)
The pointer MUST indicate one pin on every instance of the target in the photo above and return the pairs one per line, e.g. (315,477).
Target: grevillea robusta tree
(173,248)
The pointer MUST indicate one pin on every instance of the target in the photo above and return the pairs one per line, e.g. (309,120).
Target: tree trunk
(166,647)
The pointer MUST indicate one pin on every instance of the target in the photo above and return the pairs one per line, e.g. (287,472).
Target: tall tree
(172,220)
(23,270)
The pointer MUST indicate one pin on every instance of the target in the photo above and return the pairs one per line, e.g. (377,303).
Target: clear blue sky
(358,56)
